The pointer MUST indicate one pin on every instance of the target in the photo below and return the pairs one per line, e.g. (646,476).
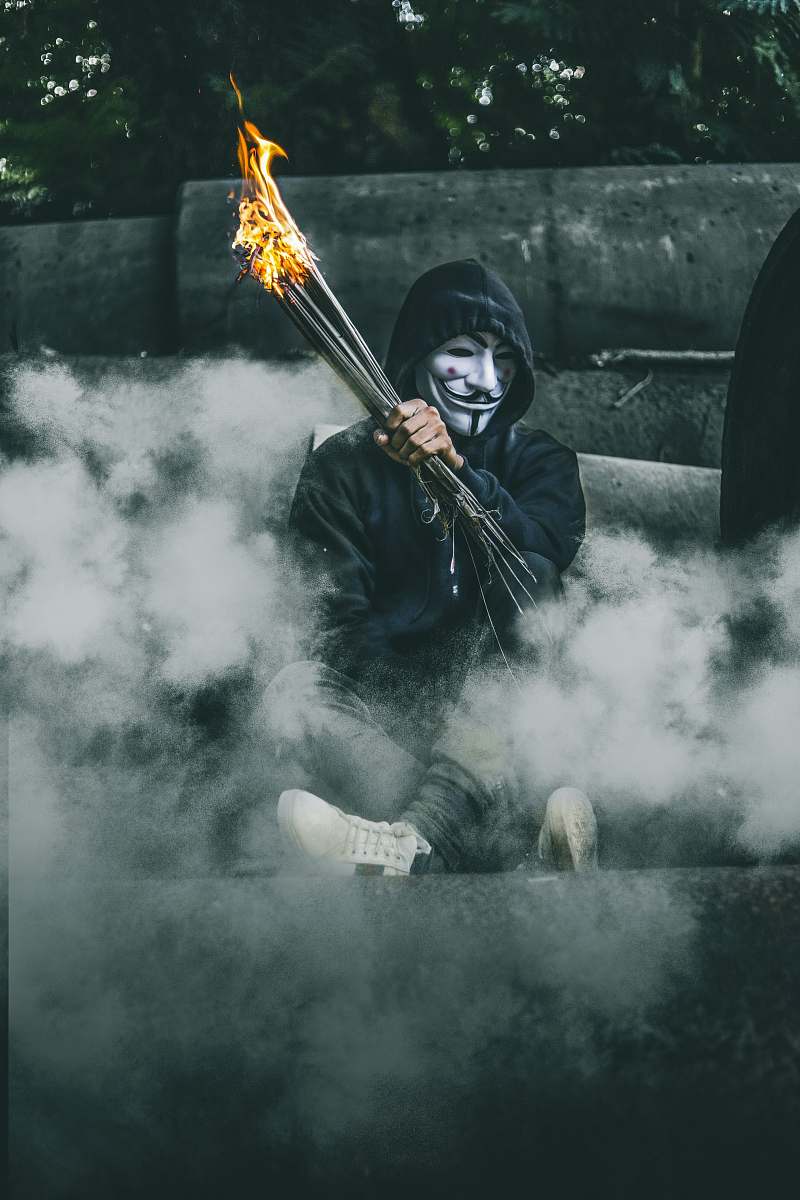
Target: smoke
(148,592)
(674,684)
(149,600)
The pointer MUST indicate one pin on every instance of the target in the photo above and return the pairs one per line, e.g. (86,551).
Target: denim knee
(287,699)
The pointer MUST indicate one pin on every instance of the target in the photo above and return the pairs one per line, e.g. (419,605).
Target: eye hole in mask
(467,378)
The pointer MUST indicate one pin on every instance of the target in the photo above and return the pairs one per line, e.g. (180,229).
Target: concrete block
(662,257)
(373,234)
(88,287)
(663,501)
(656,257)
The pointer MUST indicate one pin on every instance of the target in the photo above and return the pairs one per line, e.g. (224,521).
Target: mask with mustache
(467,378)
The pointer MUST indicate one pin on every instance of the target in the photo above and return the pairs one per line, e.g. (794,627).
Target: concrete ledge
(661,500)
(99,287)
(657,257)
(676,418)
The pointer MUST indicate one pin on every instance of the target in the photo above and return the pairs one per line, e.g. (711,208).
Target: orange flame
(272,248)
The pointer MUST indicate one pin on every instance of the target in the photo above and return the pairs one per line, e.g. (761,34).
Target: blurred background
(106,107)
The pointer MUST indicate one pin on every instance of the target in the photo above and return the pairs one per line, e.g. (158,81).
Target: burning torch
(273,250)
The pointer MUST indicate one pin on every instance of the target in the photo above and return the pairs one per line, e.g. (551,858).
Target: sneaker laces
(378,839)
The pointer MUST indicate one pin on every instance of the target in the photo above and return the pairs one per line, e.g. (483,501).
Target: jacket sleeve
(544,511)
(329,532)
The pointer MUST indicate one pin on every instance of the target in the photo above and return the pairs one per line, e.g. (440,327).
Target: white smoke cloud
(66,554)
(647,700)
(208,591)
(140,564)
(143,562)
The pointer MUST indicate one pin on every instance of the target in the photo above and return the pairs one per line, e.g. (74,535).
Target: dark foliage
(347,88)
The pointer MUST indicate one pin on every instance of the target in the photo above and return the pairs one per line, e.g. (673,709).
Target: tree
(679,80)
(107,107)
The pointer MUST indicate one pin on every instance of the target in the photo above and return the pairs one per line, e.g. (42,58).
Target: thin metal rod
(491,622)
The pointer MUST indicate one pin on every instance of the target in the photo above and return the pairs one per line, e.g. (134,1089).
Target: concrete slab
(100,287)
(657,257)
(660,500)
(662,257)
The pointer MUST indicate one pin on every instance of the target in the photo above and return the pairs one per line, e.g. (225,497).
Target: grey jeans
(457,788)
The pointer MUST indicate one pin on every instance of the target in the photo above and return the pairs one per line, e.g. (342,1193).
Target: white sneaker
(345,844)
(568,837)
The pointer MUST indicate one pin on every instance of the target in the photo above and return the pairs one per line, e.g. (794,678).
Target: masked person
(401,772)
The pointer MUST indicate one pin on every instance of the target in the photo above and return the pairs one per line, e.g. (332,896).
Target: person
(403,767)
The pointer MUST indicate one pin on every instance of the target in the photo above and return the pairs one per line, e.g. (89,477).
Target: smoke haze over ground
(149,600)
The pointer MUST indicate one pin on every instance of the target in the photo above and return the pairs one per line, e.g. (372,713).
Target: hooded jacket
(397,594)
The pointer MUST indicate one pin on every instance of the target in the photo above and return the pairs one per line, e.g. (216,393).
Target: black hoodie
(391,599)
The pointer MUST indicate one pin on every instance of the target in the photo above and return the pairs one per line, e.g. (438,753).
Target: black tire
(761,437)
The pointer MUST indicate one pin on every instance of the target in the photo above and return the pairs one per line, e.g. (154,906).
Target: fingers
(414,454)
(419,427)
(402,412)
(414,432)
(437,445)
(417,430)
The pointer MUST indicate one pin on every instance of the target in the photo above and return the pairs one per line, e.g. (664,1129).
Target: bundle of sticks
(273,250)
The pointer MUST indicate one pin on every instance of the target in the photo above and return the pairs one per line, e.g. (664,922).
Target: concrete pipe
(88,287)
(657,257)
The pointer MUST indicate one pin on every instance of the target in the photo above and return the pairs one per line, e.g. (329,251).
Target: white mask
(467,378)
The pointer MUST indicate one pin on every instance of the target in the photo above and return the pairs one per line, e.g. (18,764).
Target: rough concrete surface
(677,418)
(628,1034)
(96,287)
(656,257)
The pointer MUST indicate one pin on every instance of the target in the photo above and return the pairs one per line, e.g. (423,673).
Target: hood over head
(454,298)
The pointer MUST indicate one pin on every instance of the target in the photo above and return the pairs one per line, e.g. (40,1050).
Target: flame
(269,243)
(235,87)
